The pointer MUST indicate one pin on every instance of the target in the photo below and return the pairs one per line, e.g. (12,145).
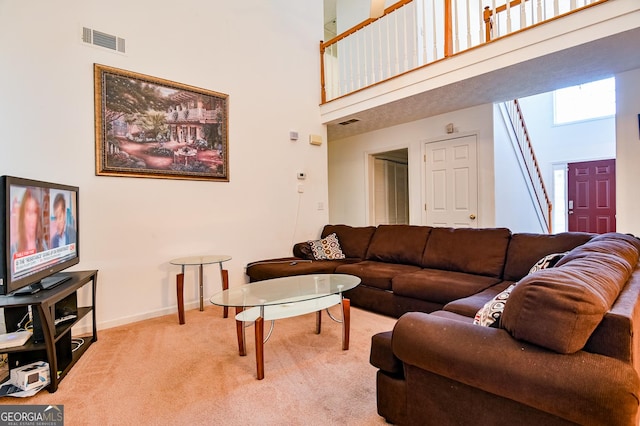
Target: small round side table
(199,261)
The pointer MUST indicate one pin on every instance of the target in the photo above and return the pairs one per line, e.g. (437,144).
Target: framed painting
(150,127)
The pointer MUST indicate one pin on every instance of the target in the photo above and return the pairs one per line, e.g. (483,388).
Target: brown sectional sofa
(566,350)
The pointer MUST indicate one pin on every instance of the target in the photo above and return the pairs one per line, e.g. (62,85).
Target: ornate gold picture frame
(150,127)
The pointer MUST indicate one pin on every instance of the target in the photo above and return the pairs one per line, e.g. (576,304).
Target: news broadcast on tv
(42,228)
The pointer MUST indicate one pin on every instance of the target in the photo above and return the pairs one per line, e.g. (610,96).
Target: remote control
(65,319)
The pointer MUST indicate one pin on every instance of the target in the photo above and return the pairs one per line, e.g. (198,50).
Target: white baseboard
(83,327)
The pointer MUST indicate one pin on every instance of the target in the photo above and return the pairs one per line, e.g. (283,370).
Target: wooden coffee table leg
(259,325)
(242,349)
(180,294)
(346,323)
(225,286)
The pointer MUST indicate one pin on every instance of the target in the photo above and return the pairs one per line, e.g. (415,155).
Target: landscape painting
(150,127)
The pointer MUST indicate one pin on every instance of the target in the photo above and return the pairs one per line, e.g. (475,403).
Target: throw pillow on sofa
(549,261)
(489,315)
(327,248)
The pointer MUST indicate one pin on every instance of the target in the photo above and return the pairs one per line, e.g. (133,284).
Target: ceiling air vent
(98,38)
(353,120)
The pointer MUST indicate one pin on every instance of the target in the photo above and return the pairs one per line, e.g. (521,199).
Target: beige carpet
(157,372)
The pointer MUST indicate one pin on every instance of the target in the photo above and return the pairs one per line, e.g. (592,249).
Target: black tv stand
(43,284)
(56,344)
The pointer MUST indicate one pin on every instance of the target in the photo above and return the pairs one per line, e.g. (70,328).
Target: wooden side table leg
(346,323)
(180,294)
(259,325)
(242,349)
(225,286)
(318,322)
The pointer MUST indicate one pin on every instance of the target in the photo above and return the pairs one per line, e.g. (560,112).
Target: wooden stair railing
(530,161)
(488,13)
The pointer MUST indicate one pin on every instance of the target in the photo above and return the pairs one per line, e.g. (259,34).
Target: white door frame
(369,169)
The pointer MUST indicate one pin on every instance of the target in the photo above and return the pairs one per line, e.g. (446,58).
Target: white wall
(628,152)
(504,198)
(515,206)
(567,143)
(348,164)
(558,145)
(130,228)
(352,12)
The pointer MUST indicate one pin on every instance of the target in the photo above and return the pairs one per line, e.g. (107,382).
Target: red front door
(592,196)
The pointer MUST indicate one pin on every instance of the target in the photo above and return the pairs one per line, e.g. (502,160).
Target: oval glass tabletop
(278,291)
(200,260)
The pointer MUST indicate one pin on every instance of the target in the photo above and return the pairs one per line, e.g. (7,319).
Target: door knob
(472,216)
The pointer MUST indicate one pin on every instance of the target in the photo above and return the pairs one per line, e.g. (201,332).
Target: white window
(585,101)
(559,196)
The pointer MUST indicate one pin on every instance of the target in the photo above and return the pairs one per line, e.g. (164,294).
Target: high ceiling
(586,62)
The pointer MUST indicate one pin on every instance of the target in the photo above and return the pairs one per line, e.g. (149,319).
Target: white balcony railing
(414,33)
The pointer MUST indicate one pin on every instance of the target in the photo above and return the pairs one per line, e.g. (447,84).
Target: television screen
(40,231)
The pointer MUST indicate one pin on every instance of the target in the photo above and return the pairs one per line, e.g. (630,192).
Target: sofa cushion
(526,249)
(622,245)
(452,316)
(398,244)
(616,336)
(302,250)
(288,266)
(470,305)
(559,308)
(381,354)
(474,251)
(439,286)
(327,248)
(354,241)
(376,274)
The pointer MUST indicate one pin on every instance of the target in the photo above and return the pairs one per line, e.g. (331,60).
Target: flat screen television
(39,236)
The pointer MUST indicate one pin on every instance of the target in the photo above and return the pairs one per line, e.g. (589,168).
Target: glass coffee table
(284,298)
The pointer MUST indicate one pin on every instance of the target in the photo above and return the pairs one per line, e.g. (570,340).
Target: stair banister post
(487,23)
(448,29)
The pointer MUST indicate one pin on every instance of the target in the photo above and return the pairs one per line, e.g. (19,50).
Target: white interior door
(451,182)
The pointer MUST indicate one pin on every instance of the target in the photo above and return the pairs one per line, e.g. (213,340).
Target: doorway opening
(389,187)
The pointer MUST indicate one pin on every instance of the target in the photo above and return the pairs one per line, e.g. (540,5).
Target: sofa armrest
(302,250)
(583,387)
(382,356)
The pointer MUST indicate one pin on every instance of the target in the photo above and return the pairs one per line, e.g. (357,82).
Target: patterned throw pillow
(549,261)
(489,314)
(327,248)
